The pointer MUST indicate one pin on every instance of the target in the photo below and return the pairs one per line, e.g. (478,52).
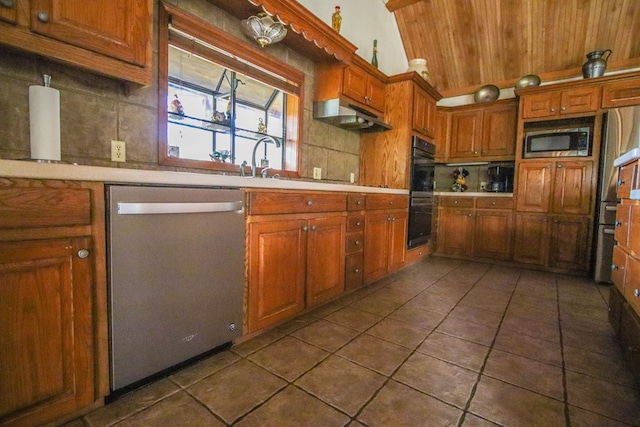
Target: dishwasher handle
(125,208)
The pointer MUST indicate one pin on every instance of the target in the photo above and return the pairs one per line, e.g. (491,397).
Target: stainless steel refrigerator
(621,133)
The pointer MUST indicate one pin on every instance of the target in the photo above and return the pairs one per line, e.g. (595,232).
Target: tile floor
(440,343)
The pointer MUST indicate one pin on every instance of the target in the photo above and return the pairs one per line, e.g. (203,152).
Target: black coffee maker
(500,179)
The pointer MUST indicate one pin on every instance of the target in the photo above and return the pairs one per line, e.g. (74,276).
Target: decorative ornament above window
(264,29)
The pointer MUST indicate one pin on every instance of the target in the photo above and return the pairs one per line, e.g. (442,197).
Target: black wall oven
(421,192)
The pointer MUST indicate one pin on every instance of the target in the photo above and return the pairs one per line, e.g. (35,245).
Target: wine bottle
(374,59)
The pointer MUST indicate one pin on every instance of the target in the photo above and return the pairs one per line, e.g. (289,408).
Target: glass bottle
(336,19)
(374,59)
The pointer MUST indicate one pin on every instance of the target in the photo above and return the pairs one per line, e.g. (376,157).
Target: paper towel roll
(44,122)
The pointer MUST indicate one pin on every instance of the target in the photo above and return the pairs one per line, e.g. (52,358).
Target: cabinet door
(572,187)
(325,258)
(375,94)
(424,108)
(117,28)
(634,230)
(277,256)
(568,244)
(540,105)
(466,134)
(455,231)
(46,324)
(441,134)
(620,94)
(499,131)
(618,268)
(626,177)
(534,186)
(530,244)
(493,232)
(355,84)
(376,246)
(580,100)
(397,240)
(623,218)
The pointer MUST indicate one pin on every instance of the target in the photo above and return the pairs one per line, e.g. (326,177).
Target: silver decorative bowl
(487,93)
(528,80)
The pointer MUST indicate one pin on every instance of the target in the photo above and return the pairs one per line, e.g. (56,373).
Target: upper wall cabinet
(424,112)
(620,94)
(358,83)
(108,37)
(559,103)
(483,133)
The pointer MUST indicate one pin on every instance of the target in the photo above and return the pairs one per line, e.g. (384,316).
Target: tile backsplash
(477,174)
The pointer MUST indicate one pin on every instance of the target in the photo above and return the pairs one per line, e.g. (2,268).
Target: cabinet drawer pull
(83,253)
(359,202)
(455,202)
(357,270)
(553,110)
(618,223)
(614,267)
(564,108)
(620,182)
(358,224)
(305,228)
(6,3)
(313,228)
(309,203)
(559,165)
(548,167)
(43,17)
(357,243)
(636,293)
(493,203)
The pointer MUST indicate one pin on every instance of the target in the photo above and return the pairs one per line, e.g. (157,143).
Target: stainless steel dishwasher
(176,276)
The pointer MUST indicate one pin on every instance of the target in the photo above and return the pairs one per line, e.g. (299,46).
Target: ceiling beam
(393,5)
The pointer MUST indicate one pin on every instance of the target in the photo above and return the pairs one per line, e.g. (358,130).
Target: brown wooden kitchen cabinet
(442,132)
(358,83)
(487,133)
(354,262)
(117,45)
(456,231)
(296,253)
(557,103)
(424,110)
(493,231)
(385,235)
(621,93)
(530,239)
(53,300)
(557,186)
(569,242)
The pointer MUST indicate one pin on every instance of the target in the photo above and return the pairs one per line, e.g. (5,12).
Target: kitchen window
(218,95)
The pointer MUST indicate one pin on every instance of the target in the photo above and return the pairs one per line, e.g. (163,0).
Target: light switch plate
(317,173)
(118,151)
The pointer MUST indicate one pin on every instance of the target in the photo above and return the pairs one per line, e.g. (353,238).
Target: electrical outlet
(317,173)
(483,185)
(118,151)
(352,178)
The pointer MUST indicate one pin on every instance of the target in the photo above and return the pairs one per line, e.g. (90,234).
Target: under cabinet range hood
(346,116)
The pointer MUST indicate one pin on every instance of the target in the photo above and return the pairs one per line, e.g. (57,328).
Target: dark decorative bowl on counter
(486,93)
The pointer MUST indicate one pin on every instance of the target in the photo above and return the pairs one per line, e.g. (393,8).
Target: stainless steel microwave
(564,142)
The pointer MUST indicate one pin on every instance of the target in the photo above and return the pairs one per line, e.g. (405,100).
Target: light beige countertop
(35,170)
(471,194)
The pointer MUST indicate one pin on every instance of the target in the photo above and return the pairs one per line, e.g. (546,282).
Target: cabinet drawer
(623,215)
(353,275)
(44,207)
(632,285)
(356,202)
(355,243)
(387,201)
(618,268)
(633,235)
(265,203)
(619,94)
(355,223)
(494,203)
(456,202)
(626,175)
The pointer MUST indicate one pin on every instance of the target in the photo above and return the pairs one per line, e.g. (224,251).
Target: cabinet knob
(390,202)
(553,110)
(493,203)
(548,167)
(618,223)
(614,267)
(357,243)
(475,152)
(455,202)
(359,202)
(636,293)
(43,16)
(357,270)
(309,203)
(559,165)
(83,253)
(564,108)
(313,228)
(358,224)
(6,3)
(305,228)
(620,182)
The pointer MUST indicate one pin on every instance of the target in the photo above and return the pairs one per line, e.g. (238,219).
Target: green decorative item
(374,59)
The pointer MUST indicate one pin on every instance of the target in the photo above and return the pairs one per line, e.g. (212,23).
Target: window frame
(241,51)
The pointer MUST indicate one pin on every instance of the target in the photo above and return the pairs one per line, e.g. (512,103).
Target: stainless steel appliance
(500,179)
(421,192)
(176,276)
(621,133)
(558,142)
(339,113)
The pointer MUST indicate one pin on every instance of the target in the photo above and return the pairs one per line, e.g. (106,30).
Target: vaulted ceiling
(468,43)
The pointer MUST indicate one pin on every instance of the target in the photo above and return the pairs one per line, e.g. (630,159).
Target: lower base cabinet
(626,323)
(386,239)
(293,264)
(493,232)
(456,231)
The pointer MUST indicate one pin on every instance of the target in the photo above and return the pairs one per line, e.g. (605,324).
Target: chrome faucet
(244,163)
(264,171)
(267,139)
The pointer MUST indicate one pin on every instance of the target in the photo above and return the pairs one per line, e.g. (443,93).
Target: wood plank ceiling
(469,43)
